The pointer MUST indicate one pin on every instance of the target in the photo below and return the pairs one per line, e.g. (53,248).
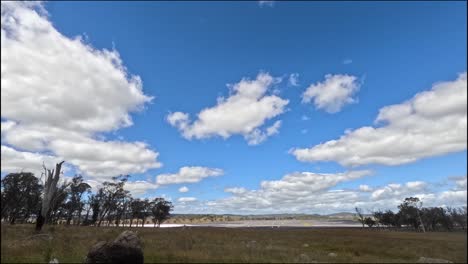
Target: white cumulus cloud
(398,190)
(258,136)
(183,189)
(186,199)
(294,190)
(365,188)
(460,182)
(432,123)
(244,112)
(188,175)
(60,93)
(332,94)
(15,161)
(139,187)
(308,192)
(293,79)
(236,190)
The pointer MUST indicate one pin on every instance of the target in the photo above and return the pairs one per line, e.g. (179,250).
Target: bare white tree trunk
(420,221)
(50,188)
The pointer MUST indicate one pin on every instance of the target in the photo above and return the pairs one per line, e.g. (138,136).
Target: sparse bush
(369,222)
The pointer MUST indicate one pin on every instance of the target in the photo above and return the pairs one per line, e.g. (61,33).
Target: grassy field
(209,244)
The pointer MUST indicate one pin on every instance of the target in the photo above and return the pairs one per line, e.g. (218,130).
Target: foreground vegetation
(210,244)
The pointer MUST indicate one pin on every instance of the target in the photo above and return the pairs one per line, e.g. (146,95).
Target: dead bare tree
(360,216)
(50,188)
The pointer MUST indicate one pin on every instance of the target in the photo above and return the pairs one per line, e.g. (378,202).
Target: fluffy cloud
(293,79)
(432,123)
(395,193)
(460,182)
(183,189)
(365,188)
(50,79)
(453,198)
(188,175)
(236,190)
(398,190)
(332,94)
(290,193)
(243,112)
(457,194)
(258,136)
(108,158)
(16,161)
(186,199)
(136,188)
(60,93)
(297,193)
(305,182)
(140,187)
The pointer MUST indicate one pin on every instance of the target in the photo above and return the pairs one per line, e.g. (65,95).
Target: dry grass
(209,244)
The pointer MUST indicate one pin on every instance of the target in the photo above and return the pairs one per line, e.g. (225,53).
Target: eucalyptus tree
(21,194)
(410,211)
(110,192)
(160,209)
(137,208)
(75,204)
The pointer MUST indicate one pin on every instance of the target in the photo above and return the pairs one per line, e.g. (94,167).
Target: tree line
(24,199)
(412,215)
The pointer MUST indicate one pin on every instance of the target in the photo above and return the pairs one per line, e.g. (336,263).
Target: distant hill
(343,215)
(209,218)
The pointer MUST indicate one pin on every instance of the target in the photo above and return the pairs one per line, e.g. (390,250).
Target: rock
(332,254)
(54,261)
(129,238)
(433,260)
(126,248)
(98,246)
(305,245)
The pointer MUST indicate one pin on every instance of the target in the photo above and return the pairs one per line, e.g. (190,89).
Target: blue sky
(186,53)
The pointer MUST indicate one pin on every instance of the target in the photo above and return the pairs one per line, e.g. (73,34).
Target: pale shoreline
(267,223)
